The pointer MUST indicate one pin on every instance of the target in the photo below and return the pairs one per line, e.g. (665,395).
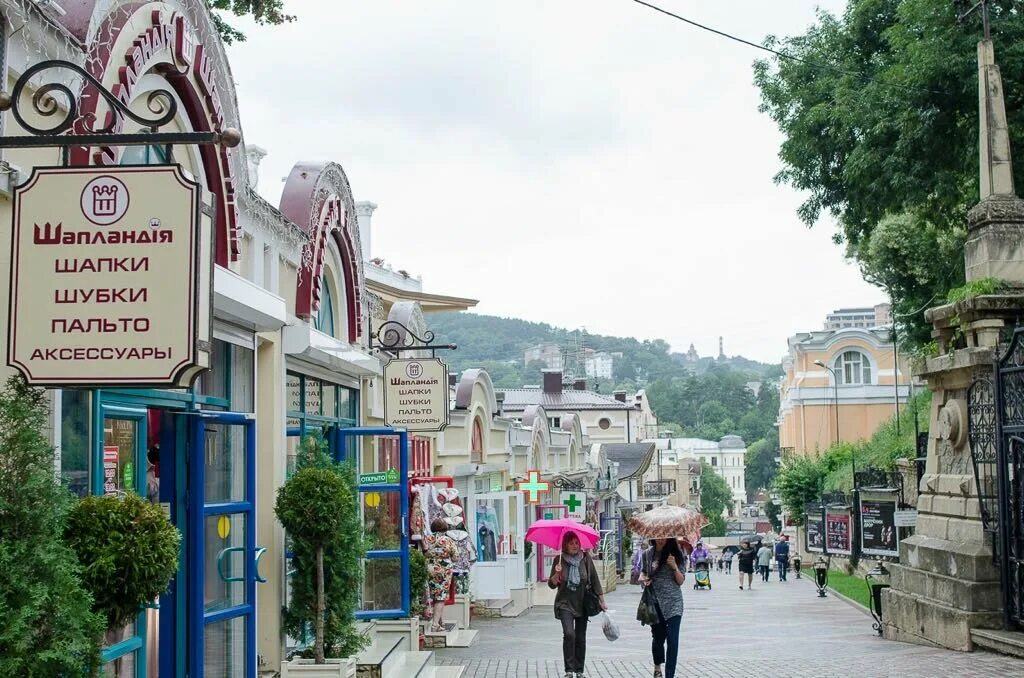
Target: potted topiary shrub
(319,508)
(128,550)
(48,627)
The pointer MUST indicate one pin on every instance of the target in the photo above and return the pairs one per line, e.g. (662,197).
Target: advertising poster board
(879,536)
(837,533)
(815,532)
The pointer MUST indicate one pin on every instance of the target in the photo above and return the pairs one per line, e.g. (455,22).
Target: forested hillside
(707,400)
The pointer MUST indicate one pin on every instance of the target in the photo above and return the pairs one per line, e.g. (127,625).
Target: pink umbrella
(551,532)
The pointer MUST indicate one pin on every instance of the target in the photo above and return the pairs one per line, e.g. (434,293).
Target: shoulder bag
(591,602)
(647,611)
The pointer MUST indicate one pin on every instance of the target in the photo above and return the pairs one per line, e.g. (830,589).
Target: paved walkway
(775,630)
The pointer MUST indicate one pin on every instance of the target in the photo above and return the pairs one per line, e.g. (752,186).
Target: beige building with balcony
(849,372)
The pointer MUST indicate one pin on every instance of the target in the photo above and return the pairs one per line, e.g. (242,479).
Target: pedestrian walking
(572,573)
(664,570)
(728,561)
(782,557)
(764,561)
(441,553)
(745,563)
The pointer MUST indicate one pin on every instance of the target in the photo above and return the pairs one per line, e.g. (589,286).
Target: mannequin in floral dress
(441,553)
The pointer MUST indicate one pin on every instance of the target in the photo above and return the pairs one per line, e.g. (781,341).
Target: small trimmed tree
(319,508)
(128,550)
(48,627)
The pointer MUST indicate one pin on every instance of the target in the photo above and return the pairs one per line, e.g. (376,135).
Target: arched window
(325,316)
(476,450)
(853,367)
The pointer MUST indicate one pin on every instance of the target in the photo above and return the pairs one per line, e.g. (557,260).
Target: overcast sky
(577,162)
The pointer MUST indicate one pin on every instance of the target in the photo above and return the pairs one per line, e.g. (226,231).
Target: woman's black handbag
(647,611)
(591,603)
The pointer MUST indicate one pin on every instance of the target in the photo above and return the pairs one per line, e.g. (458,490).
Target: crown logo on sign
(104,200)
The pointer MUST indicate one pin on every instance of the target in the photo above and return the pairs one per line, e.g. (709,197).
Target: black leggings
(574,641)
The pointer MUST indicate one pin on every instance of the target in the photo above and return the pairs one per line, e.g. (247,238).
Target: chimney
(500,398)
(364,213)
(552,381)
(620,396)
(579,385)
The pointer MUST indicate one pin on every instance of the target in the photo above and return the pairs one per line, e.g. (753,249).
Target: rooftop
(521,398)
(632,458)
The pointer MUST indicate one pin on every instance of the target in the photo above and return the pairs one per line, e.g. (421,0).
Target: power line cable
(784,55)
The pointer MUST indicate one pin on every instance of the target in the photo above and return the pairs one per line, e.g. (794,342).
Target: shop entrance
(200,467)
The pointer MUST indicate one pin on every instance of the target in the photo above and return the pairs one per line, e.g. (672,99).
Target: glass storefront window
(74,440)
(225,561)
(224,652)
(243,368)
(382,584)
(225,464)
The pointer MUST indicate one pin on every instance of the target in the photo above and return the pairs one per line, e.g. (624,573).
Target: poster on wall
(837,533)
(487,533)
(416,394)
(111,272)
(879,536)
(815,533)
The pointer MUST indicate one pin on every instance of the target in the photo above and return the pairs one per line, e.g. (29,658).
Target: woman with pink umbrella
(573,574)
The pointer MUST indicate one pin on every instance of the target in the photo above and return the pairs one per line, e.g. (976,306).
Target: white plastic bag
(610,628)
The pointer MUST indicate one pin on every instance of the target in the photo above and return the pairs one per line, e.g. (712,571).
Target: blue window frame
(385,593)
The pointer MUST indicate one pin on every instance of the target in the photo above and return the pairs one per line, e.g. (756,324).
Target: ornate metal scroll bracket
(57,99)
(394,337)
(563,483)
(881,480)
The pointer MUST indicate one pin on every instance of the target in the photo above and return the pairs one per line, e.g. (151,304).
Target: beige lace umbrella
(666,522)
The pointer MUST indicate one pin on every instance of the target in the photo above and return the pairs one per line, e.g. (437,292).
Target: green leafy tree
(128,550)
(799,482)
(760,466)
(319,508)
(716,526)
(47,627)
(262,12)
(879,114)
(773,511)
(715,495)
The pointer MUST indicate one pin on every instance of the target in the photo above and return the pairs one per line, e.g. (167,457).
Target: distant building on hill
(865,318)
(549,354)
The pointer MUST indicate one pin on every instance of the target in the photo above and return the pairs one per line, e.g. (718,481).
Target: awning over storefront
(303,341)
(245,303)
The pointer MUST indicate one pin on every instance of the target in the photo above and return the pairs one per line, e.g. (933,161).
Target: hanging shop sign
(576,502)
(416,394)
(815,532)
(879,536)
(837,533)
(110,278)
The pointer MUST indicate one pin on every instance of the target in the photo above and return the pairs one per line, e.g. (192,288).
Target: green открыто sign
(389,477)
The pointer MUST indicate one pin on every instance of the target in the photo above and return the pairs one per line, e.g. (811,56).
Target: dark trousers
(666,630)
(728,567)
(783,568)
(574,641)
(764,572)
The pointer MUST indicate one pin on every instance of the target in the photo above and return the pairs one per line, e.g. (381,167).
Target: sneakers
(741,587)
(658,674)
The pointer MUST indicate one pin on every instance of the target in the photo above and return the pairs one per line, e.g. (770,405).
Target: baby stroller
(701,574)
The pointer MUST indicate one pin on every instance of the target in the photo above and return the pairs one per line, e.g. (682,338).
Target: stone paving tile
(777,629)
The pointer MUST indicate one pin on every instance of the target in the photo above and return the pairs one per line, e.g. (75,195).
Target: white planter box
(305,668)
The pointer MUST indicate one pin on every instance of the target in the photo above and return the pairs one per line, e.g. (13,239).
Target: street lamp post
(835,384)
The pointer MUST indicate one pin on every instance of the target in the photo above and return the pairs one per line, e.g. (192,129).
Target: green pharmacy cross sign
(576,502)
(533,486)
(389,477)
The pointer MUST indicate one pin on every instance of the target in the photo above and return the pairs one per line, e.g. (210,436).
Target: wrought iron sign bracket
(566,484)
(73,129)
(394,337)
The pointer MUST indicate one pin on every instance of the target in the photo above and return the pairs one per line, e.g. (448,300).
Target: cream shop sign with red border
(110,278)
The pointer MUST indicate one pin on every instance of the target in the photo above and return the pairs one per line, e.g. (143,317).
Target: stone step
(380,659)
(413,665)
(496,608)
(444,672)
(451,637)
(1003,642)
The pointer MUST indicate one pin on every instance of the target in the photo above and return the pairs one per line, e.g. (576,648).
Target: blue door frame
(198,511)
(340,445)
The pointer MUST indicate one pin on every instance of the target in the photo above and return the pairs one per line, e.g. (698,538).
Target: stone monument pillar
(947,582)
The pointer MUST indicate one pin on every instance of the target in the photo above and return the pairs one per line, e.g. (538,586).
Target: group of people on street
(748,557)
(662,569)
